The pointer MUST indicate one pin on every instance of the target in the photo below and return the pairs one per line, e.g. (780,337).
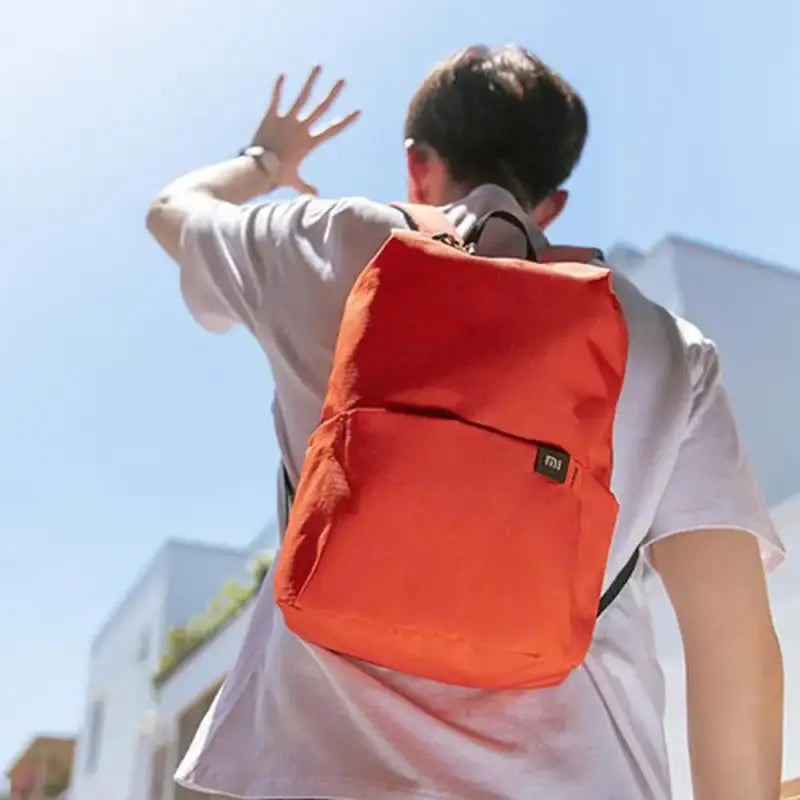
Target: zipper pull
(450,241)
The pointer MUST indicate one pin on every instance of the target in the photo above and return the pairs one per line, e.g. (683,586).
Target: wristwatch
(266,160)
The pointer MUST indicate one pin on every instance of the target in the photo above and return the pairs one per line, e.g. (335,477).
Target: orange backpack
(453,516)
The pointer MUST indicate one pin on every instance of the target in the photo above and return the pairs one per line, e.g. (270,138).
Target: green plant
(183,640)
(259,566)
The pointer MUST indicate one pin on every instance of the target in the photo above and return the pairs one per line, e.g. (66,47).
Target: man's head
(494,116)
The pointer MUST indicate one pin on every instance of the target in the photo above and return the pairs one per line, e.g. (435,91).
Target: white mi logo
(551,462)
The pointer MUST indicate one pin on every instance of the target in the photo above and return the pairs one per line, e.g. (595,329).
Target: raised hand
(289,136)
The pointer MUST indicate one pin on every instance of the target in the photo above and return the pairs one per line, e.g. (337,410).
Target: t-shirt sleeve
(255,263)
(221,271)
(711,485)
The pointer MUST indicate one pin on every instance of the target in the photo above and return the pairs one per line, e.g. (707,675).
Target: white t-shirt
(296,721)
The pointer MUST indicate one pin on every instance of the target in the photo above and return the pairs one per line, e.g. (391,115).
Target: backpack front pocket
(435,547)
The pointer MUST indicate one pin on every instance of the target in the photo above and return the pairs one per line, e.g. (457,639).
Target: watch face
(266,160)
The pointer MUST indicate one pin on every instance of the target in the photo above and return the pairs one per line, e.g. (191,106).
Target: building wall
(120,709)
(119,692)
(654,274)
(43,770)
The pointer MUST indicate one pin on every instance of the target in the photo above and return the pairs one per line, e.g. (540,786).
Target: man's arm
(711,540)
(715,580)
(286,139)
(235,181)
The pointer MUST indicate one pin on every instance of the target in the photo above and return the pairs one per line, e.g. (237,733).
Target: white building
(120,698)
(752,311)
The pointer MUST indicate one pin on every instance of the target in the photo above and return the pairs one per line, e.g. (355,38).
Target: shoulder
(360,210)
(665,338)
(333,216)
(341,233)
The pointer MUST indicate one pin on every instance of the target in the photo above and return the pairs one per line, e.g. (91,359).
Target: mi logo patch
(552,463)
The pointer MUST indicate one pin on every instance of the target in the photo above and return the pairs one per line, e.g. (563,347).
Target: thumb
(303,187)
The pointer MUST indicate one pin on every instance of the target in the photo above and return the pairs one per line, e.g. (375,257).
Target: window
(95,735)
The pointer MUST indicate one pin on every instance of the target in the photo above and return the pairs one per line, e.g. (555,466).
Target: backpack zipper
(437,413)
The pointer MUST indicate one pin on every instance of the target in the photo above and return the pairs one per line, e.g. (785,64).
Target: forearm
(235,181)
(735,716)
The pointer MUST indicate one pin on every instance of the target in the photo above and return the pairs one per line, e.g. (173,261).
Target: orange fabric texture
(453,516)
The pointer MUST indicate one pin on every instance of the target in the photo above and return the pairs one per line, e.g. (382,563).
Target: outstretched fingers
(305,92)
(336,128)
(277,90)
(326,104)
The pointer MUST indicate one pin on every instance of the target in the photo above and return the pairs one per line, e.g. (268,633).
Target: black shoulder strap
(286,499)
(287,485)
(477,231)
(618,584)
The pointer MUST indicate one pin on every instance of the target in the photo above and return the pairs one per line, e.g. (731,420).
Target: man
(487,130)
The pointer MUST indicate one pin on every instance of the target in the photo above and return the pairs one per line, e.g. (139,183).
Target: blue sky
(124,423)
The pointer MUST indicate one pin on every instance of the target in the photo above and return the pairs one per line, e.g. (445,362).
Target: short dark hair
(500,116)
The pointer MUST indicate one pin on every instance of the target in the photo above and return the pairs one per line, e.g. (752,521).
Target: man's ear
(428,179)
(418,166)
(550,208)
